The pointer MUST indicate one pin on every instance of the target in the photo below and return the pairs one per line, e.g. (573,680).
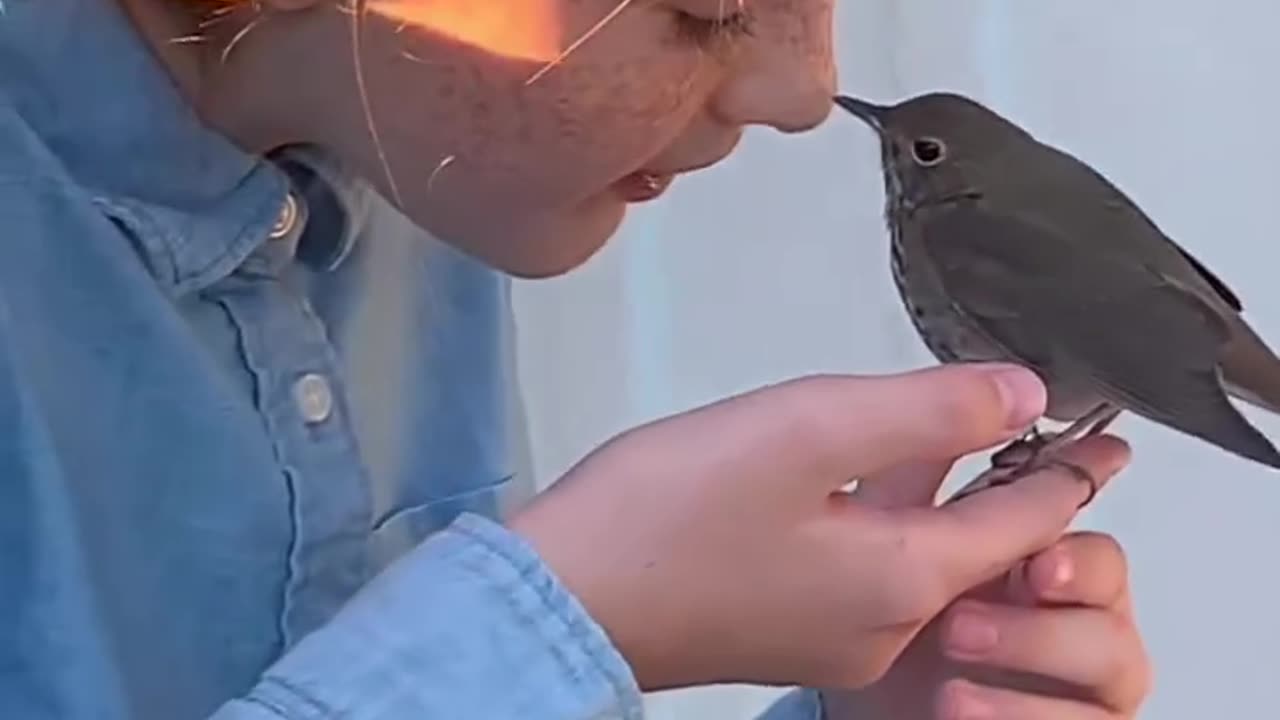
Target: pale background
(775,264)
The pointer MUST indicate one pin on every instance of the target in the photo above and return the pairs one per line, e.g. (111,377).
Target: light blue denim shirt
(254,428)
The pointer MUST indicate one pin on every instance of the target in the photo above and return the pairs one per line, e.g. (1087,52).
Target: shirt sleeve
(469,624)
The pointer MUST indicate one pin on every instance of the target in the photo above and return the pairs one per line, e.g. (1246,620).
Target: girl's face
(519,131)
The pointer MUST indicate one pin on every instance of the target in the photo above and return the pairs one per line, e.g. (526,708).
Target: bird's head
(936,146)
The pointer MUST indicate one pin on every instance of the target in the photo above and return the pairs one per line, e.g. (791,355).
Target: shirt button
(314,397)
(287,218)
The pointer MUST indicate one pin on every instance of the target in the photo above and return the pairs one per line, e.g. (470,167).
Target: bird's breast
(948,335)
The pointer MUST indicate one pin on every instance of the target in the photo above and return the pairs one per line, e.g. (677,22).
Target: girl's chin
(557,244)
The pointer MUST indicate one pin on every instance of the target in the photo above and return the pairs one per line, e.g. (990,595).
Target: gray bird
(1007,249)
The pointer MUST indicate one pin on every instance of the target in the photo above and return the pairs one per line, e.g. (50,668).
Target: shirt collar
(336,203)
(81,76)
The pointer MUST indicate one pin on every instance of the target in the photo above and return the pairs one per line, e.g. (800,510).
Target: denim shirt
(254,428)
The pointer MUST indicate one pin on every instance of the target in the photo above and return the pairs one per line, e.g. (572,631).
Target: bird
(1005,248)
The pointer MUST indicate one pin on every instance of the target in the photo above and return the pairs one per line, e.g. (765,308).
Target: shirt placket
(299,393)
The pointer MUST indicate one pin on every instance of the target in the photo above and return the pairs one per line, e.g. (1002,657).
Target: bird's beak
(869,113)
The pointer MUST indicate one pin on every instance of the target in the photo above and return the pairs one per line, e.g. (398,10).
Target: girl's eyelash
(704,31)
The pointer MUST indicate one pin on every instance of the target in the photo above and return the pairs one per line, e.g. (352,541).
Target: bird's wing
(1149,345)
(1096,205)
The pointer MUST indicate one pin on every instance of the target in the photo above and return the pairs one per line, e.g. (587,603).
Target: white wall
(775,264)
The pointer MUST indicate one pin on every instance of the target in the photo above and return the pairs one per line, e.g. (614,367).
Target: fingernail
(1023,395)
(1059,571)
(967,703)
(972,635)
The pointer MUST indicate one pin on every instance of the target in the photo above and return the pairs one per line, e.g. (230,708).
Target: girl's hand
(719,545)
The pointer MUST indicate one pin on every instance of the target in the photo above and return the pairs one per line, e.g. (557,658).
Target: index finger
(981,537)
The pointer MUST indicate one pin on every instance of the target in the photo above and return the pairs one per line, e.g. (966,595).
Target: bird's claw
(1078,473)
(1006,468)
(1023,450)
(1036,451)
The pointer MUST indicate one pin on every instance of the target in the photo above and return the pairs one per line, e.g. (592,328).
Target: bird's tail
(1251,370)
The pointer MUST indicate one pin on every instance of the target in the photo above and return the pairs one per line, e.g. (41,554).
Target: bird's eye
(928,151)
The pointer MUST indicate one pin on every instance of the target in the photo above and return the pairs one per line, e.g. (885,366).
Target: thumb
(837,428)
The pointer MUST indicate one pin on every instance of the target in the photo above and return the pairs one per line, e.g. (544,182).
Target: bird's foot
(1036,451)
(1002,474)
(1022,450)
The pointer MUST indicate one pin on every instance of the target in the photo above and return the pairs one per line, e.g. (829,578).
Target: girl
(252,350)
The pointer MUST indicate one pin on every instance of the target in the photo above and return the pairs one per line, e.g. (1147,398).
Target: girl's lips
(642,186)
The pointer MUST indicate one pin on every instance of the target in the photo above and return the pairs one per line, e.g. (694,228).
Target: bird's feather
(1100,218)
(1086,206)
(1149,343)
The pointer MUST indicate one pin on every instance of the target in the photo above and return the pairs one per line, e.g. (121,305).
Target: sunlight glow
(519,30)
